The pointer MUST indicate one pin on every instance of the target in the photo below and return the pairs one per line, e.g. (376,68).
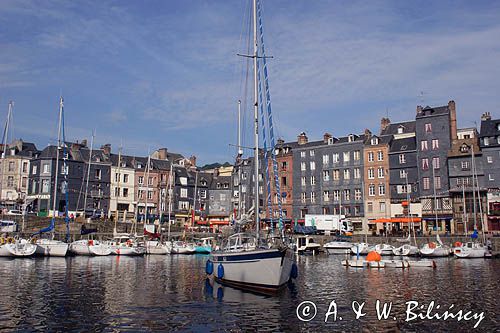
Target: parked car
(15,212)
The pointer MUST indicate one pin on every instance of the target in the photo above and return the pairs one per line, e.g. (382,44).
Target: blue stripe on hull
(251,255)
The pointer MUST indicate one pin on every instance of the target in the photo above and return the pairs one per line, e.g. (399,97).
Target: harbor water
(171,293)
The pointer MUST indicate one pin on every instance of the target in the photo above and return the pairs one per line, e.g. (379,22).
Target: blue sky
(149,74)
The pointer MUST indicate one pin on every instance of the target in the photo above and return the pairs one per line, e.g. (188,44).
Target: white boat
(261,269)
(180,247)
(51,248)
(306,244)
(383,249)
(470,250)
(361,248)
(338,247)
(396,263)
(204,246)
(156,247)
(20,248)
(101,249)
(125,246)
(7,226)
(89,247)
(435,249)
(405,250)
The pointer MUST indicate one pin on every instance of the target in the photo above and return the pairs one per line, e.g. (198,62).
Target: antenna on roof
(421,98)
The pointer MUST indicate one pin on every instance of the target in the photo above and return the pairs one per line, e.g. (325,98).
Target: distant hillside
(214,165)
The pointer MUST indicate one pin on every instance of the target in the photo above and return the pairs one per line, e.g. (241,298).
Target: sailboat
(435,249)
(244,261)
(473,249)
(52,247)
(407,249)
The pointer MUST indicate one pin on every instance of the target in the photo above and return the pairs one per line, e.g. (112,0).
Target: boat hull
(361,248)
(21,248)
(100,250)
(338,247)
(405,250)
(465,252)
(80,248)
(259,270)
(203,249)
(434,252)
(127,250)
(51,248)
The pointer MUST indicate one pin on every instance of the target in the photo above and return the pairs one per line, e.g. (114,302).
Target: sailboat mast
(474,174)
(147,190)
(238,160)
(170,177)
(88,174)
(256,123)
(4,141)
(193,217)
(473,189)
(61,105)
(435,198)
(408,198)
(118,185)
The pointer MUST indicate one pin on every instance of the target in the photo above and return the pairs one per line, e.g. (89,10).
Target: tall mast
(88,174)
(238,160)
(170,177)
(61,106)
(408,198)
(4,141)
(256,123)
(435,198)
(473,189)
(118,185)
(147,189)
(474,174)
(194,197)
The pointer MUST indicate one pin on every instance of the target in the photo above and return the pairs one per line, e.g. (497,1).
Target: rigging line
(269,115)
(246,114)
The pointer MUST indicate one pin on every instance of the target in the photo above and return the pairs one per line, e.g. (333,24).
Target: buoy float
(458,244)
(220,271)
(432,245)
(373,256)
(209,267)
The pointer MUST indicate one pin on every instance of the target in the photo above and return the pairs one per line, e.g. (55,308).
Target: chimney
(384,123)
(302,138)
(216,172)
(368,133)
(162,153)
(419,109)
(192,160)
(326,137)
(76,146)
(486,116)
(84,143)
(106,148)
(453,120)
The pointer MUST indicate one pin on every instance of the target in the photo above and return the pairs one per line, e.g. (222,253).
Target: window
(35,169)
(302,154)
(313,197)
(336,195)
(382,207)
(335,158)
(402,158)
(336,174)
(11,166)
(380,155)
(140,180)
(402,173)
(370,157)
(435,144)
(183,205)
(400,130)
(350,138)
(347,174)
(303,166)
(10,181)
(435,162)
(117,177)
(357,155)
(303,181)
(311,153)
(326,159)
(284,182)
(150,195)
(486,141)
(425,164)
(313,180)
(357,173)
(381,189)
(184,192)
(374,141)
(125,178)
(347,195)
(426,183)
(437,182)
(65,169)
(150,181)
(284,165)
(244,175)
(45,186)
(489,159)
(326,175)
(117,192)
(357,194)
(347,156)
(490,177)
(203,194)
(369,206)
(428,128)
(371,190)
(466,165)
(380,172)
(24,182)
(313,165)
(303,197)
(98,174)
(183,180)
(125,192)
(25,167)
(46,168)
(423,145)
(371,173)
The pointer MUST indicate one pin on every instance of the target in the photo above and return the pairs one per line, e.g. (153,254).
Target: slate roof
(409,127)
(402,145)
(428,111)
(489,128)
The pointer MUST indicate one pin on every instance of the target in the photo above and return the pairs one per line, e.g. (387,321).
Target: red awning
(397,220)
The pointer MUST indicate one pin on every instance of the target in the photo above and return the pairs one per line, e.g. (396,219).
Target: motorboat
(51,248)
(180,247)
(338,246)
(16,248)
(361,248)
(204,246)
(306,244)
(383,249)
(405,250)
(125,246)
(470,250)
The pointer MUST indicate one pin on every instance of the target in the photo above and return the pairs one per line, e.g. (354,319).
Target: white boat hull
(468,252)
(183,248)
(125,250)
(100,250)
(361,248)
(396,263)
(353,263)
(21,248)
(338,247)
(437,251)
(258,269)
(154,247)
(52,248)
(384,249)
(422,263)
(405,250)
(80,248)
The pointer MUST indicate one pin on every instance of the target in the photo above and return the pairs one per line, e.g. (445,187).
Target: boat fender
(295,271)
(209,289)
(91,242)
(220,271)
(432,245)
(458,244)
(220,293)
(209,267)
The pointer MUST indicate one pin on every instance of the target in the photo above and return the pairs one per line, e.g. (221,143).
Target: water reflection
(171,293)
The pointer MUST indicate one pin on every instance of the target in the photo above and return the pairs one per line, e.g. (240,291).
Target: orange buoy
(432,245)
(457,244)
(373,256)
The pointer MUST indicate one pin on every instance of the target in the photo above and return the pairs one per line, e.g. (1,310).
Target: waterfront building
(376,185)
(15,166)
(146,189)
(435,129)
(490,145)
(122,194)
(245,187)
(467,214)
(220,192)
